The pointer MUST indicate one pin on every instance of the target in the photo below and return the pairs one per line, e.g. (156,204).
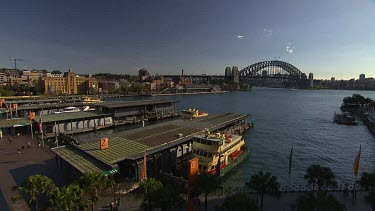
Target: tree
(319,175)
(56,72)
(319,201)
(264,184)
(368,180)
(68,198)
(206,183)
(34,187)
(165,198)
(240,202)
(93,184)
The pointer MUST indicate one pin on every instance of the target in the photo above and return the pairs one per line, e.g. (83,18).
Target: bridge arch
(254,69)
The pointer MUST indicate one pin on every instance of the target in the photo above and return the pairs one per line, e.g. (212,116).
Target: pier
(166,145)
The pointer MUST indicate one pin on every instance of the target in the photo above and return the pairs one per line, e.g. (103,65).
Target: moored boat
(219,153)
(191,113)
(344,119)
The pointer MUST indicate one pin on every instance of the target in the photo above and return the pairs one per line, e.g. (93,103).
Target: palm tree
(319,175)
(367,180)
(240,202)
(34,187)
(319,201)
(206,183)
(68,198)
(264,184)
(93,184)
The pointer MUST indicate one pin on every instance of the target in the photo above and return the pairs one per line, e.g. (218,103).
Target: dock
(165,144)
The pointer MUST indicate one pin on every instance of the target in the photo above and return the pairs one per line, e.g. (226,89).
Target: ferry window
(210,155)
(205,168)
(200,166)
(205,154)
(201,153)
(212,167)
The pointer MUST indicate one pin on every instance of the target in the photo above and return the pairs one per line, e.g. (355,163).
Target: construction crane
(15,62)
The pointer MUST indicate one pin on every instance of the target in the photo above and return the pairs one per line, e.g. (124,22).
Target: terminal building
(166,146)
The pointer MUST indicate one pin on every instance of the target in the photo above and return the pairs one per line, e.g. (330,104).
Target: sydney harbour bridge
(266,72)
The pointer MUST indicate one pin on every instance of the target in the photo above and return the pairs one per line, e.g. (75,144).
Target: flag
(144,168)
(356,162)
(290,161)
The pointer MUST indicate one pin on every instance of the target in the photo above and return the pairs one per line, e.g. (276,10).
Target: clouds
(289,48)
(240,37)
(267,32)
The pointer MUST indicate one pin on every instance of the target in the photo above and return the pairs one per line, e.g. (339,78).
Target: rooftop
(70,116)
(131,144)
(80,160)
(15,122)
(121,104)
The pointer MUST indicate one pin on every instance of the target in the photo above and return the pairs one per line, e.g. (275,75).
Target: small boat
(87,99)
(68,110)
(219,153)
(344,119)
(191,113)
(88,108)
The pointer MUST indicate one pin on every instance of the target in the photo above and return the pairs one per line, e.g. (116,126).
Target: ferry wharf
(166,146)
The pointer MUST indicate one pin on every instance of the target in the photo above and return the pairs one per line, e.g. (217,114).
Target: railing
(296,188)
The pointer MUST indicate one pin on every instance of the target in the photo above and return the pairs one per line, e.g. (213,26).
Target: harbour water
(284,118)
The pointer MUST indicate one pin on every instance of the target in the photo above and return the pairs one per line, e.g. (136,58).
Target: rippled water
(302,118)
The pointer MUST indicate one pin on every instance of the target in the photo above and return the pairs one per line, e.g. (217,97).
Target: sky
(330,38)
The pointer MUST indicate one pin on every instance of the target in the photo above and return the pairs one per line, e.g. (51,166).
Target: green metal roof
(119,149)
(70,116)
(15,122)
(80,160)
(130,144)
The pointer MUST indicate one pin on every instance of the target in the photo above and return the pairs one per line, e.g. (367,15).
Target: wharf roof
(80,160)
(123,104)
(51,106)
(39,100)
(131,144)
(15,122)
(70,116)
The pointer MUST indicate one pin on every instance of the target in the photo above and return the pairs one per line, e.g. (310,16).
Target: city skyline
(329,39)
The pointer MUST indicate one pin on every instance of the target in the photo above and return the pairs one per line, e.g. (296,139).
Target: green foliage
(34,187)
(318,201)
(368,180)
(239,202)
(92,184)
(205,184)
(149,187)
(56,72)
(320,175)
(264,184)
(6,91)
(357,99)
(157,195)
(138,88)
(68,198)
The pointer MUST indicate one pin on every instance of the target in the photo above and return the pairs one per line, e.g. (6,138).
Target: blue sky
(326,37)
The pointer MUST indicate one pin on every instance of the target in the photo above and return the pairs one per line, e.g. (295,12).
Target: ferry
(88,108)
(87,99)
(344,119)
(191,113)
(210,148)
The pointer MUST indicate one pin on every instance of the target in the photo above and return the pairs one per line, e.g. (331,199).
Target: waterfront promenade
(15,168)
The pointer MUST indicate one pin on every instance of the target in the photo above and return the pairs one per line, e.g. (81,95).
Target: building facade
(70,83)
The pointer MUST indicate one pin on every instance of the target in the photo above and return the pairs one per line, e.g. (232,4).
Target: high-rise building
(362,77)
(228,73)
(333,79)
(235,74)
(70,83)
(143,74)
